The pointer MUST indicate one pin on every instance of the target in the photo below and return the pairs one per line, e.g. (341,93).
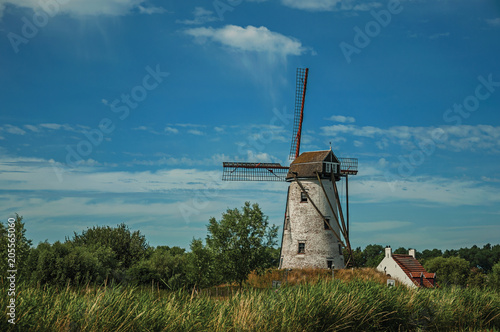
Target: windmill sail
(300,98)
(237,171)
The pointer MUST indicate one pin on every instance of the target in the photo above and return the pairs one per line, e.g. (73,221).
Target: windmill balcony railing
(348,166)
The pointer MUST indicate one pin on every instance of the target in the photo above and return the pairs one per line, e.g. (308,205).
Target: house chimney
(388,252)
(411,252)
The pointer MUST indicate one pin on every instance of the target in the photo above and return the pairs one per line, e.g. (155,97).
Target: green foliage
(477,278)
(200,268)
(482,258)
(61,263)
(494,277)
(165,267)
(98,254)
(449,271)
(428,254)
(325,306)
(22,247)
(374,253)
(401,251)
(128,247)
(240,242)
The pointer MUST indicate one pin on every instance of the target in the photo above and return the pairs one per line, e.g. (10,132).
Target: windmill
(314,228)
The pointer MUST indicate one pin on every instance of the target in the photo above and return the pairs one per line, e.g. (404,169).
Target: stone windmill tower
(314,228)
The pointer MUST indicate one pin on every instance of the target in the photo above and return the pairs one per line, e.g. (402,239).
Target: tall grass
(325,305)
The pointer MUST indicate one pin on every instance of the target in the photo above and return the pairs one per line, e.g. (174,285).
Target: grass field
(358,301)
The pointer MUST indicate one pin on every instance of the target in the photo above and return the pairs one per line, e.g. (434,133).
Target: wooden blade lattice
(300,97)
(237,171)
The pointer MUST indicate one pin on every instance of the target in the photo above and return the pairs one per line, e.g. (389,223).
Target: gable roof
(315,157)
(415,271)
(308,163)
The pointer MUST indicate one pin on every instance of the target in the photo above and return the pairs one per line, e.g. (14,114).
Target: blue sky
(124,110)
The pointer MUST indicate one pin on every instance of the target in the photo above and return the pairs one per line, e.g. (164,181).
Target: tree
(358,256)
(374,254)
(449,271)
(129,247)
(240,242)
(22,247)
(61,263)
(200,269)
(494,277)
(477,278)
(400,251)
(428,254)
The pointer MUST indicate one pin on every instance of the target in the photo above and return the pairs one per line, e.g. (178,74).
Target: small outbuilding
(406,269)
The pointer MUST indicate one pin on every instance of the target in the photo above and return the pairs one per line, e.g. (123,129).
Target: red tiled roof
(415,271)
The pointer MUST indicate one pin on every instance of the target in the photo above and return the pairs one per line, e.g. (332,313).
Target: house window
(329,263)
(302,248)
(326,222)
(303,197)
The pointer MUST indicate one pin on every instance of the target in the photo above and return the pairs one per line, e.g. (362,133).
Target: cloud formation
(249,39)
(455,138)
(84,7)
(330,5)
(201,16)
(342,119)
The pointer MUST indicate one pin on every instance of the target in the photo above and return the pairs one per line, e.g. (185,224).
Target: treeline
(241,242)
(474,267)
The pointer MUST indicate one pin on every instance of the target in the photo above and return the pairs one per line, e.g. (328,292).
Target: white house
(406,269)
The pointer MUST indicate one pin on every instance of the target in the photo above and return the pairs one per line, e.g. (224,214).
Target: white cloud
(455,138)
(56,126)
(189,125)
(366,6)
(12,129)
(372,185)
(201,16)
(331,5)
(171,130)
(342,119)
(439,35)
(494,22)
(32,128)
(251,38)
(358,144)
(86,7)
(151,10)
(195,132)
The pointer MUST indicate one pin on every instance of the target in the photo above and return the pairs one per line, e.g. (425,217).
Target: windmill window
(340,249)
(303,197)
(287,223)
(302,248)
(329,263)
(326,222)
(328,167)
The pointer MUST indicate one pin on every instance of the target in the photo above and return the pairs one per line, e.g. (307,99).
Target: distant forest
(241,242)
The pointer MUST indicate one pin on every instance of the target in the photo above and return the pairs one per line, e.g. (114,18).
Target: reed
(356,302)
